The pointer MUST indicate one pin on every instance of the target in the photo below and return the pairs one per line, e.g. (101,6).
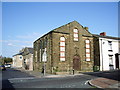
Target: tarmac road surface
(12,78)
(17,79)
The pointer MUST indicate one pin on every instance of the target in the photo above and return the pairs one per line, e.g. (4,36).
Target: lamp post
(44,65)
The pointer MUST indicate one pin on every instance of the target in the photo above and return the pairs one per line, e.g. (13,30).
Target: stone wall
(72,49)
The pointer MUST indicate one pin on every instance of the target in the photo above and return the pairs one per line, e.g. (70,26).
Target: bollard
(73,71)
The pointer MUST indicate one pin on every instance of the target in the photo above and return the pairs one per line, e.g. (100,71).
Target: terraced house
(64,49)
(106,52)
(24,59)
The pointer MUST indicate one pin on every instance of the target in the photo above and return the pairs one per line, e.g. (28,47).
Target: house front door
(76,63)
(117,61)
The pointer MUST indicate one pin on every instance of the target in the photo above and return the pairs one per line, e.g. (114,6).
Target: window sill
(110,50)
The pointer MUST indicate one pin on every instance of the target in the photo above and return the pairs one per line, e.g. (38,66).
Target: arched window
(75,34)
(87,43)
(40,52)
(40,44)
(62,48)
(46,41)
(40,55)
(36,55)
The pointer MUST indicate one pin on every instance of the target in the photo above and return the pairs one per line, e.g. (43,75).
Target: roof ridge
(106,36)
(57,28)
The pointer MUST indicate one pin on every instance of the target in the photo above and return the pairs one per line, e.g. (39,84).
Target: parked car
(7,65)
(2,67)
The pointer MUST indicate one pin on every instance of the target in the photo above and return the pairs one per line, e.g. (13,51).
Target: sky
(24,22)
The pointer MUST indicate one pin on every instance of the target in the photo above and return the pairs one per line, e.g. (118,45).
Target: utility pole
(102,53)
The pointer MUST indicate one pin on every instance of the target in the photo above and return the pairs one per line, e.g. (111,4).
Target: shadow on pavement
(114,75)
(9,74)
(6,84)
(13,73)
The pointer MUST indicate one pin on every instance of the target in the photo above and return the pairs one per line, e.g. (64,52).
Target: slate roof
(110,37)
(30,50)
(18,54)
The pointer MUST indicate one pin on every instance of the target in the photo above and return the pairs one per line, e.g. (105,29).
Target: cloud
(14,41)
(3,41)
(25,39)
(33,35)
(13,45)
(25,46)
(10,44)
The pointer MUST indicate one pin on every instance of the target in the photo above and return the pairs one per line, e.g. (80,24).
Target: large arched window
(62,48)
(75,34)
(46,41)
(40,51)
(87,42)
(36,55)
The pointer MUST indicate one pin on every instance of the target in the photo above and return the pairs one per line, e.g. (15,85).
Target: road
(11,73)
(17,79)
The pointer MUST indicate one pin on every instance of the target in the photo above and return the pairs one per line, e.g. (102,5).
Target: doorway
(117,60)
(76,62)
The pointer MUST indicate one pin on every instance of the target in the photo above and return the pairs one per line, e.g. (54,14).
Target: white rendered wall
(14,61)
(104,53)
(17,62)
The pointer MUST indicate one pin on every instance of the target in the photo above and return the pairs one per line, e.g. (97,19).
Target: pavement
(98,82)
(40,75)
(105,83)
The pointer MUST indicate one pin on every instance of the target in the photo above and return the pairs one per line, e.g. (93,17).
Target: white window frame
(62,48)
(110,45)
(62,43)
(87,44)
(36,56)
(110,60)
(40,56)
(75,34)
(87,50)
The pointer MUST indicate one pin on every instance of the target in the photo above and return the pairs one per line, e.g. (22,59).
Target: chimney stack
(86,28)
(103,34)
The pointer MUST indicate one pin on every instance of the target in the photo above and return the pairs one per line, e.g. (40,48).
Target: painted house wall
(28,60)
(105,53)
(17,61)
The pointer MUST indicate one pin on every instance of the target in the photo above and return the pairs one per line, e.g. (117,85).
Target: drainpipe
(101,54)
(69,52)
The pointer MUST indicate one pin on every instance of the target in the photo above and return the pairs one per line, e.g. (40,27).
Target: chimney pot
(86,28)
(103,34)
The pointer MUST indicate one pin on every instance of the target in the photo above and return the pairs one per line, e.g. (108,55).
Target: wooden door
(76,63)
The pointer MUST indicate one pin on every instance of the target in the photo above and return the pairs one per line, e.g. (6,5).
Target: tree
(1,60)
(6,60)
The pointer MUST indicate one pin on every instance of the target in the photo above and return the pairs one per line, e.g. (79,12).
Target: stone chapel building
(64,49)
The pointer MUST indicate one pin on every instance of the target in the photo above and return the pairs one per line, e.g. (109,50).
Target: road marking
(21,78)
(86,82)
